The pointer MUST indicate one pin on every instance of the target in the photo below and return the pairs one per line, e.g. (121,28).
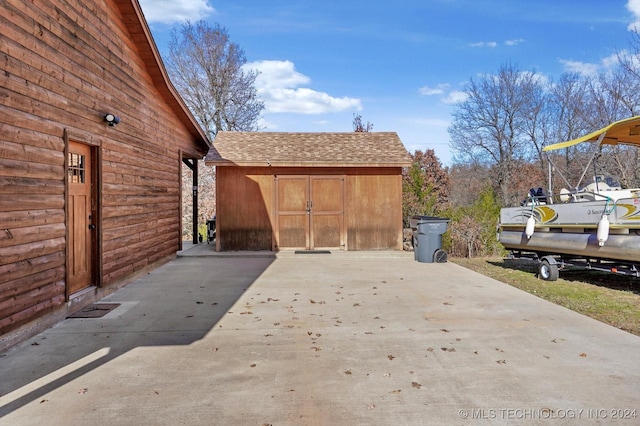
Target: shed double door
(309,212)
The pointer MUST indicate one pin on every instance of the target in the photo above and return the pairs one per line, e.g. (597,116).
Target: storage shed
(92,139)
(308,191)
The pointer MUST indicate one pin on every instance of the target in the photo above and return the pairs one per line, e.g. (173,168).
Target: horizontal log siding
(65,64)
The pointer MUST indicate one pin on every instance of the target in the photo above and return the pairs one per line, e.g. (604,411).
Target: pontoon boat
(596,226)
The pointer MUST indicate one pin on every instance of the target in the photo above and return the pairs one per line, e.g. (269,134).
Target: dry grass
(612,299)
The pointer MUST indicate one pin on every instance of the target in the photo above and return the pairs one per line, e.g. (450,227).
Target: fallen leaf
(44,400)
(396,391)
(391,357)
(499,350)
(416,385)
(312,301)
(371,406)
(583,355)
(83,390)
(444,330)
(315,348)
(268,335)
(430,349)
(501,361)
(252,365)
(448,304)
(449,349)
(368,332)
(199,303)
(356,304)
(348,372)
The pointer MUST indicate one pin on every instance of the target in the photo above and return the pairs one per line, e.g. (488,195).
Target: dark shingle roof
(359,149)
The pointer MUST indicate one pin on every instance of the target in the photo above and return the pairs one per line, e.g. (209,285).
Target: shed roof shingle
(359,149)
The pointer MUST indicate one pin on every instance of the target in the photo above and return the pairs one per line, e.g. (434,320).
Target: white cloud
(484,44)
(592,69)
(634,7)
(438,90)
(584,68)
(278,86)
(514,42)
(172,11)
(442,90)
(455,96)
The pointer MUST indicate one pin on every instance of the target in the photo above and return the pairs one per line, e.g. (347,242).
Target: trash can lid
(430,218)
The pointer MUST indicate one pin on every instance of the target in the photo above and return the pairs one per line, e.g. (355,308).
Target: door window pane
(76,168)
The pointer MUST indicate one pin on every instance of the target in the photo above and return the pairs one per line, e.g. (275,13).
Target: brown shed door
(310,212)
(79,218)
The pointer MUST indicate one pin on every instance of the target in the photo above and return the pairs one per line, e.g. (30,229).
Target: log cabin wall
(245,211)
(65,64)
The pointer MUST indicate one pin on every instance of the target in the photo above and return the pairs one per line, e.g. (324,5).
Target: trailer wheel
(548,271)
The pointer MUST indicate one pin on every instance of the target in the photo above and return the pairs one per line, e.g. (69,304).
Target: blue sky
(399,64)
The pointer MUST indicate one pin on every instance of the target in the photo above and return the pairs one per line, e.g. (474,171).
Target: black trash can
(427,238)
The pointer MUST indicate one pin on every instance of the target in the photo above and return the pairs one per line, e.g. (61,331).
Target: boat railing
(610,196)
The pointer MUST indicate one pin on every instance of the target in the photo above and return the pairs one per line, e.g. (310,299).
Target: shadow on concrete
(176,304)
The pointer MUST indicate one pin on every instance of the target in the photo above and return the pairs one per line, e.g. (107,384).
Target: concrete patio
(347,338)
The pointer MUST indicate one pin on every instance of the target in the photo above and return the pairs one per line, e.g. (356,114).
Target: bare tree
(358,126)
(490,126)
(207,69)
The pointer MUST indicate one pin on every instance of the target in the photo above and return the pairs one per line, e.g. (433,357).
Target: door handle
(92,226)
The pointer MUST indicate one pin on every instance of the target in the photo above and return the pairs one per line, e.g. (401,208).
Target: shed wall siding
(64,65)
(244,211)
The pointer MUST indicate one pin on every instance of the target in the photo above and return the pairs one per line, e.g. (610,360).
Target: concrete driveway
(346,338)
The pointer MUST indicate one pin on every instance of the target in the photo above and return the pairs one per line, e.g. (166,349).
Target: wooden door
(327,212)
(309,212)
(80,240)
(292,215)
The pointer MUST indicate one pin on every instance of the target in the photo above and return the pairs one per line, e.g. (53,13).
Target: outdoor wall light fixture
(111,119)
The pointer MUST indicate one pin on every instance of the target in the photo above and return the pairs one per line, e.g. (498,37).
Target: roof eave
(228,163)
(164,84)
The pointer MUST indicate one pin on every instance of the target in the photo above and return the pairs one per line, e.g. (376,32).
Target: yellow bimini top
(626,132)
